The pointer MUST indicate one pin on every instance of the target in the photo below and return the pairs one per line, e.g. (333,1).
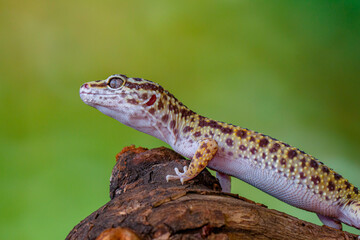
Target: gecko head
(132,101)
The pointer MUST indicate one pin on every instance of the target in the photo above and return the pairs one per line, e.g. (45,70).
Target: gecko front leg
(205,152)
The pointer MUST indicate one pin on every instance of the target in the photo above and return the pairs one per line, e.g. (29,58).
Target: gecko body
(272,166)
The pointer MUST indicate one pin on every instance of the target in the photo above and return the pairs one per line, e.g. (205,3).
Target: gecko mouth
(98,94)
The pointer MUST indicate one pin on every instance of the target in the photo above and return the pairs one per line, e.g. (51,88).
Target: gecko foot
(179,175)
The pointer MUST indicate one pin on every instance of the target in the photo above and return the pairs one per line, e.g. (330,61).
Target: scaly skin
(277,168)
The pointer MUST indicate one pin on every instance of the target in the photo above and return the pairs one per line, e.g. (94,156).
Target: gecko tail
(350,214)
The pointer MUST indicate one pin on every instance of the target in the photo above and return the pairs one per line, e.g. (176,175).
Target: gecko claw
(179,175)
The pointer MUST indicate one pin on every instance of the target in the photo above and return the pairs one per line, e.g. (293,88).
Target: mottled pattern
(270,153)
(146,106)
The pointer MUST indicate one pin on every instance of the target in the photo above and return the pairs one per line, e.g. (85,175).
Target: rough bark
(144,206)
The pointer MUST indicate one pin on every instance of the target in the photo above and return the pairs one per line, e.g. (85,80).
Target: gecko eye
(115,82)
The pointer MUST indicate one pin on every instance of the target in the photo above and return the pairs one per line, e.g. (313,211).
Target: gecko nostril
(85,85)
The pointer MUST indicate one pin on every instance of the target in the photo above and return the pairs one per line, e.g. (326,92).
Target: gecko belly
(279,184)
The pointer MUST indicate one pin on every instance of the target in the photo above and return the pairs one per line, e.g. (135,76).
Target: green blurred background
(289,69)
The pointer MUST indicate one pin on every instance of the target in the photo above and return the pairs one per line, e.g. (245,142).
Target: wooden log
(144,206)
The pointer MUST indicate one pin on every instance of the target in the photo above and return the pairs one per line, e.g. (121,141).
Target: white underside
(273,183)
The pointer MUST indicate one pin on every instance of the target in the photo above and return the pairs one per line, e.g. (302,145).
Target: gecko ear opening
(151,100)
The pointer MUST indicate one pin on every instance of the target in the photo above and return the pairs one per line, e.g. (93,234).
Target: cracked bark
(144,206)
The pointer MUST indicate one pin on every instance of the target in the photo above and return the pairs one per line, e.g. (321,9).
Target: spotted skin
(205,152)
(273,166)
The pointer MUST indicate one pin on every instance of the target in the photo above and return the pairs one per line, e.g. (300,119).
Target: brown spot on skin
(292,153)
(207,150)
(165,118)
(316,179)
(160,104)
(172,124)
(229,142)
(314,164)
(275,148)
(213,124)
(331,186)
(303,162)
(152,111)
(100,85)
(151,86)
(137,79)
(201,166)
(283,161)
(253,150)
(144,96)
(325,169)
(187,129)
(348,185)
(263,142)
(348,196)
(241,133)
(132,101)
(252,139)
(321,192)
(186,112)
(226,130)
(132,85)
(263,155)
(275,158)
(356,191)
(202,122)
(197,134)
(337,176)
(145,86)
(292,169)
(302,175)
(204,145)
(242,148)
(173,108)
(198,155)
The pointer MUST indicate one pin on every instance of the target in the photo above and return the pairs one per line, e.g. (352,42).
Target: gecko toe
(179,175)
